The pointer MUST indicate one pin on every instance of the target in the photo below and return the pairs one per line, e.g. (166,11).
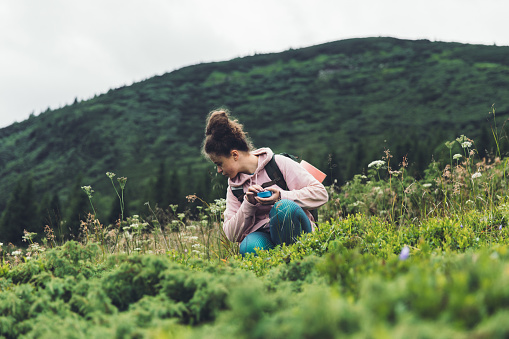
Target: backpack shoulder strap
(291,156)
(275,173)
(238,192)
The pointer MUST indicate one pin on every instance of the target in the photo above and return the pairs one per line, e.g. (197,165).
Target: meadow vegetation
(394,257)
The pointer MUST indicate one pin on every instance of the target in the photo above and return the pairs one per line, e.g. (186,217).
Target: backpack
(276,177)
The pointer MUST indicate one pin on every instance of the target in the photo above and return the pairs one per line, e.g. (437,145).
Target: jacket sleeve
(237,217)
(303,188)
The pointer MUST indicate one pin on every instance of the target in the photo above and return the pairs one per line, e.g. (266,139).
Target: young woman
(253,221)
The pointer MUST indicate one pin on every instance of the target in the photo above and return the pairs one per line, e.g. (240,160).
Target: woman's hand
(252,197)
(251,193)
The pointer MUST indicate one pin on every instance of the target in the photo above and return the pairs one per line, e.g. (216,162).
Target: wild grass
(464,184)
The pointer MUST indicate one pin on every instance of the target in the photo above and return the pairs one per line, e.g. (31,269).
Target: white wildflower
(476,175)
(426,185)
(466,144)
(377,164)
(457,156)
(35,247)
(88,190)
(16,253)
(220,202)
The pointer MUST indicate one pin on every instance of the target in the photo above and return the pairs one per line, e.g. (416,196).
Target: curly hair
(224,134)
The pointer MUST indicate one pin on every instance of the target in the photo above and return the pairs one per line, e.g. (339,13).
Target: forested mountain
(338,105)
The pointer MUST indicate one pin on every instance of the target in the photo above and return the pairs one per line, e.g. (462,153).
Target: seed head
(462,139)
(122,181)
(449,144)
(88,190)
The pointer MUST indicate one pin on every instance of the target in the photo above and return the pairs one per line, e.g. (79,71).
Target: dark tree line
(26,210)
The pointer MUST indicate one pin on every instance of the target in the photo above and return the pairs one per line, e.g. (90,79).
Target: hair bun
(219,125)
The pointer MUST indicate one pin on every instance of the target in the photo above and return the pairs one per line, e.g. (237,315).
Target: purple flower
(405,253)
(461,225)
(500,227)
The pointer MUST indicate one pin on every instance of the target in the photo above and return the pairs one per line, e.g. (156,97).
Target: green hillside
(346,101)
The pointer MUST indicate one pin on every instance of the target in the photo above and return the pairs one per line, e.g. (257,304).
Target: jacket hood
(264,156)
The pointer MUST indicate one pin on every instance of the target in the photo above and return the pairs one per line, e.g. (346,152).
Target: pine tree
(160,188)
(79,207)
(20,214)
(31,221)
(10,228)
(52,216)
(173,190)
(115,212)
(484,144)
(202,184)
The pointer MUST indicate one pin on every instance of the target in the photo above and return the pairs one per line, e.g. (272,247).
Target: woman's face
(227,166)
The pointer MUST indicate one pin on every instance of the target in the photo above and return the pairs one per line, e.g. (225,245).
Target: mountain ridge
(346,99)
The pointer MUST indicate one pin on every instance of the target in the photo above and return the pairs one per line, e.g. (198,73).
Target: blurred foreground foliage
(349,278)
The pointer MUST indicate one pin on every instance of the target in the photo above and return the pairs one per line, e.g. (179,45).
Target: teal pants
(287,221)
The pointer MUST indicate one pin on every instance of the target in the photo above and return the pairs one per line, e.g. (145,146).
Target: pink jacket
(244,218)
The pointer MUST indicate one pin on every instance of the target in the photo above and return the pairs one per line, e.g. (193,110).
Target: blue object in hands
(264,194)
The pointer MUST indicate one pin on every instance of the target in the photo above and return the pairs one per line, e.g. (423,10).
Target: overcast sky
(52,51)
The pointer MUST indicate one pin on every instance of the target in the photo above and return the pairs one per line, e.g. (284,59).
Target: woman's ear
(235,154)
